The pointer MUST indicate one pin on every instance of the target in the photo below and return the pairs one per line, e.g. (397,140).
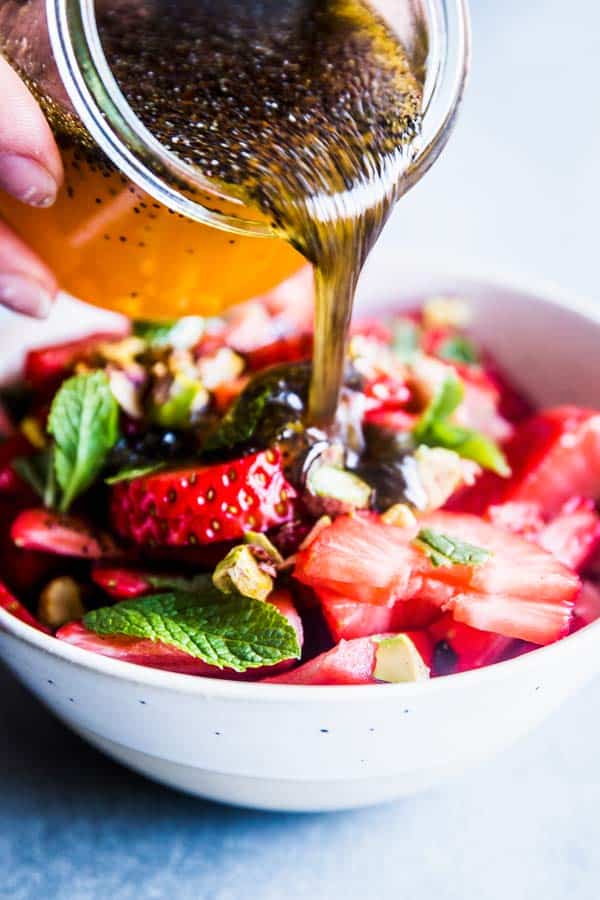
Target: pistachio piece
(335,490)
(239,571)
(32,430)
(397,660)
(441,472)
(400,515)
(60,602)
(261,541)
(223,366)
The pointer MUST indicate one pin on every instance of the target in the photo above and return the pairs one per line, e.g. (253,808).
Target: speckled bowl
(285,747)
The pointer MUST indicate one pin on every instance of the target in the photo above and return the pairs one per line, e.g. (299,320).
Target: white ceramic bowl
(284,747)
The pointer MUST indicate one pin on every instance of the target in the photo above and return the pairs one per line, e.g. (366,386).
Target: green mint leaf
(223,631)
(434,430)
(406,342)
(183,333)
(445,550)
(84,423)
(155,333)
(134,472)
(447,398)
(459,349)
(273,398)
(471,445)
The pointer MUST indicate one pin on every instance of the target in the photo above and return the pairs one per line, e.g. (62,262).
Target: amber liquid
(114,246)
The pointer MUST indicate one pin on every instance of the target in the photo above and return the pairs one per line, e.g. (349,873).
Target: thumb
(30,165)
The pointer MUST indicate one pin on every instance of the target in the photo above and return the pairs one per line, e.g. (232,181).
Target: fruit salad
(164,501)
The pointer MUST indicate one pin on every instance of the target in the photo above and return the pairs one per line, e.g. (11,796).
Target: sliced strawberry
(156,655)
(391,419)
(361,559)
(372,328)
(348,619)
(587,605)
(40,529)
(521,591)
(287,349)
(16,608)
(224,394)
(122,584)
(204,504)
(350,662)
(458,647)
(574,535)
(46,366)
(387,392)
(554,456)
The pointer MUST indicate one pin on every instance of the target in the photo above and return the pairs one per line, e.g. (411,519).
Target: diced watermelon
(157,655)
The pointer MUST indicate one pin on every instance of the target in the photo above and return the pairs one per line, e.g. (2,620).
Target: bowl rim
(217,688)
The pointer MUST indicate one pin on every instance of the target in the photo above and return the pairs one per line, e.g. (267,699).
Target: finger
(30,164)
(26,284)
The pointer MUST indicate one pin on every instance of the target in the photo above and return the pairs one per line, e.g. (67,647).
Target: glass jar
(134,228)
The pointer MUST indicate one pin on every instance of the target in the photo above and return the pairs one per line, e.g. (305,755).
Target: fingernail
(25,295)
(27,180)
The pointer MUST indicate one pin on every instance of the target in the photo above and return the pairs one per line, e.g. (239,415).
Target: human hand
(31,171)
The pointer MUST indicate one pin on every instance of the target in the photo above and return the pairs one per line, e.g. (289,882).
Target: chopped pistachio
(185,399)
(442,472)
(122,353)
(32,430)
(338,485)
(257,539)
(126,392)
(240,572)
(60,602)
(397,660)
(400,515)
(446,312)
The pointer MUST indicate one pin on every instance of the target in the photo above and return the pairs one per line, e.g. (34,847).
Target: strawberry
(11,484)
(554,456)
(520,591)
(348,619)
(287,349)
(204,504)
(122,584)
(360,559)
(45,367)
(587,605)
(458,647)
(49,532)
(350,662)
(156,655)
(16,608)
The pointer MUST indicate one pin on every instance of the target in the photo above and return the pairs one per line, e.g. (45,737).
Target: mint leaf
(155,333)
(406,342)
(446,400)
(445,550)
(182,333)
(231,631)
(134,472)
(434,430)
(84,423)
(459,349)
(274,398)
(470,444)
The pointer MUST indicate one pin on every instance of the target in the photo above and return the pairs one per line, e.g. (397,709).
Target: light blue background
(519,188)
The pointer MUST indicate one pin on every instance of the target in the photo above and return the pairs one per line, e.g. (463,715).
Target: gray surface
(519,188)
